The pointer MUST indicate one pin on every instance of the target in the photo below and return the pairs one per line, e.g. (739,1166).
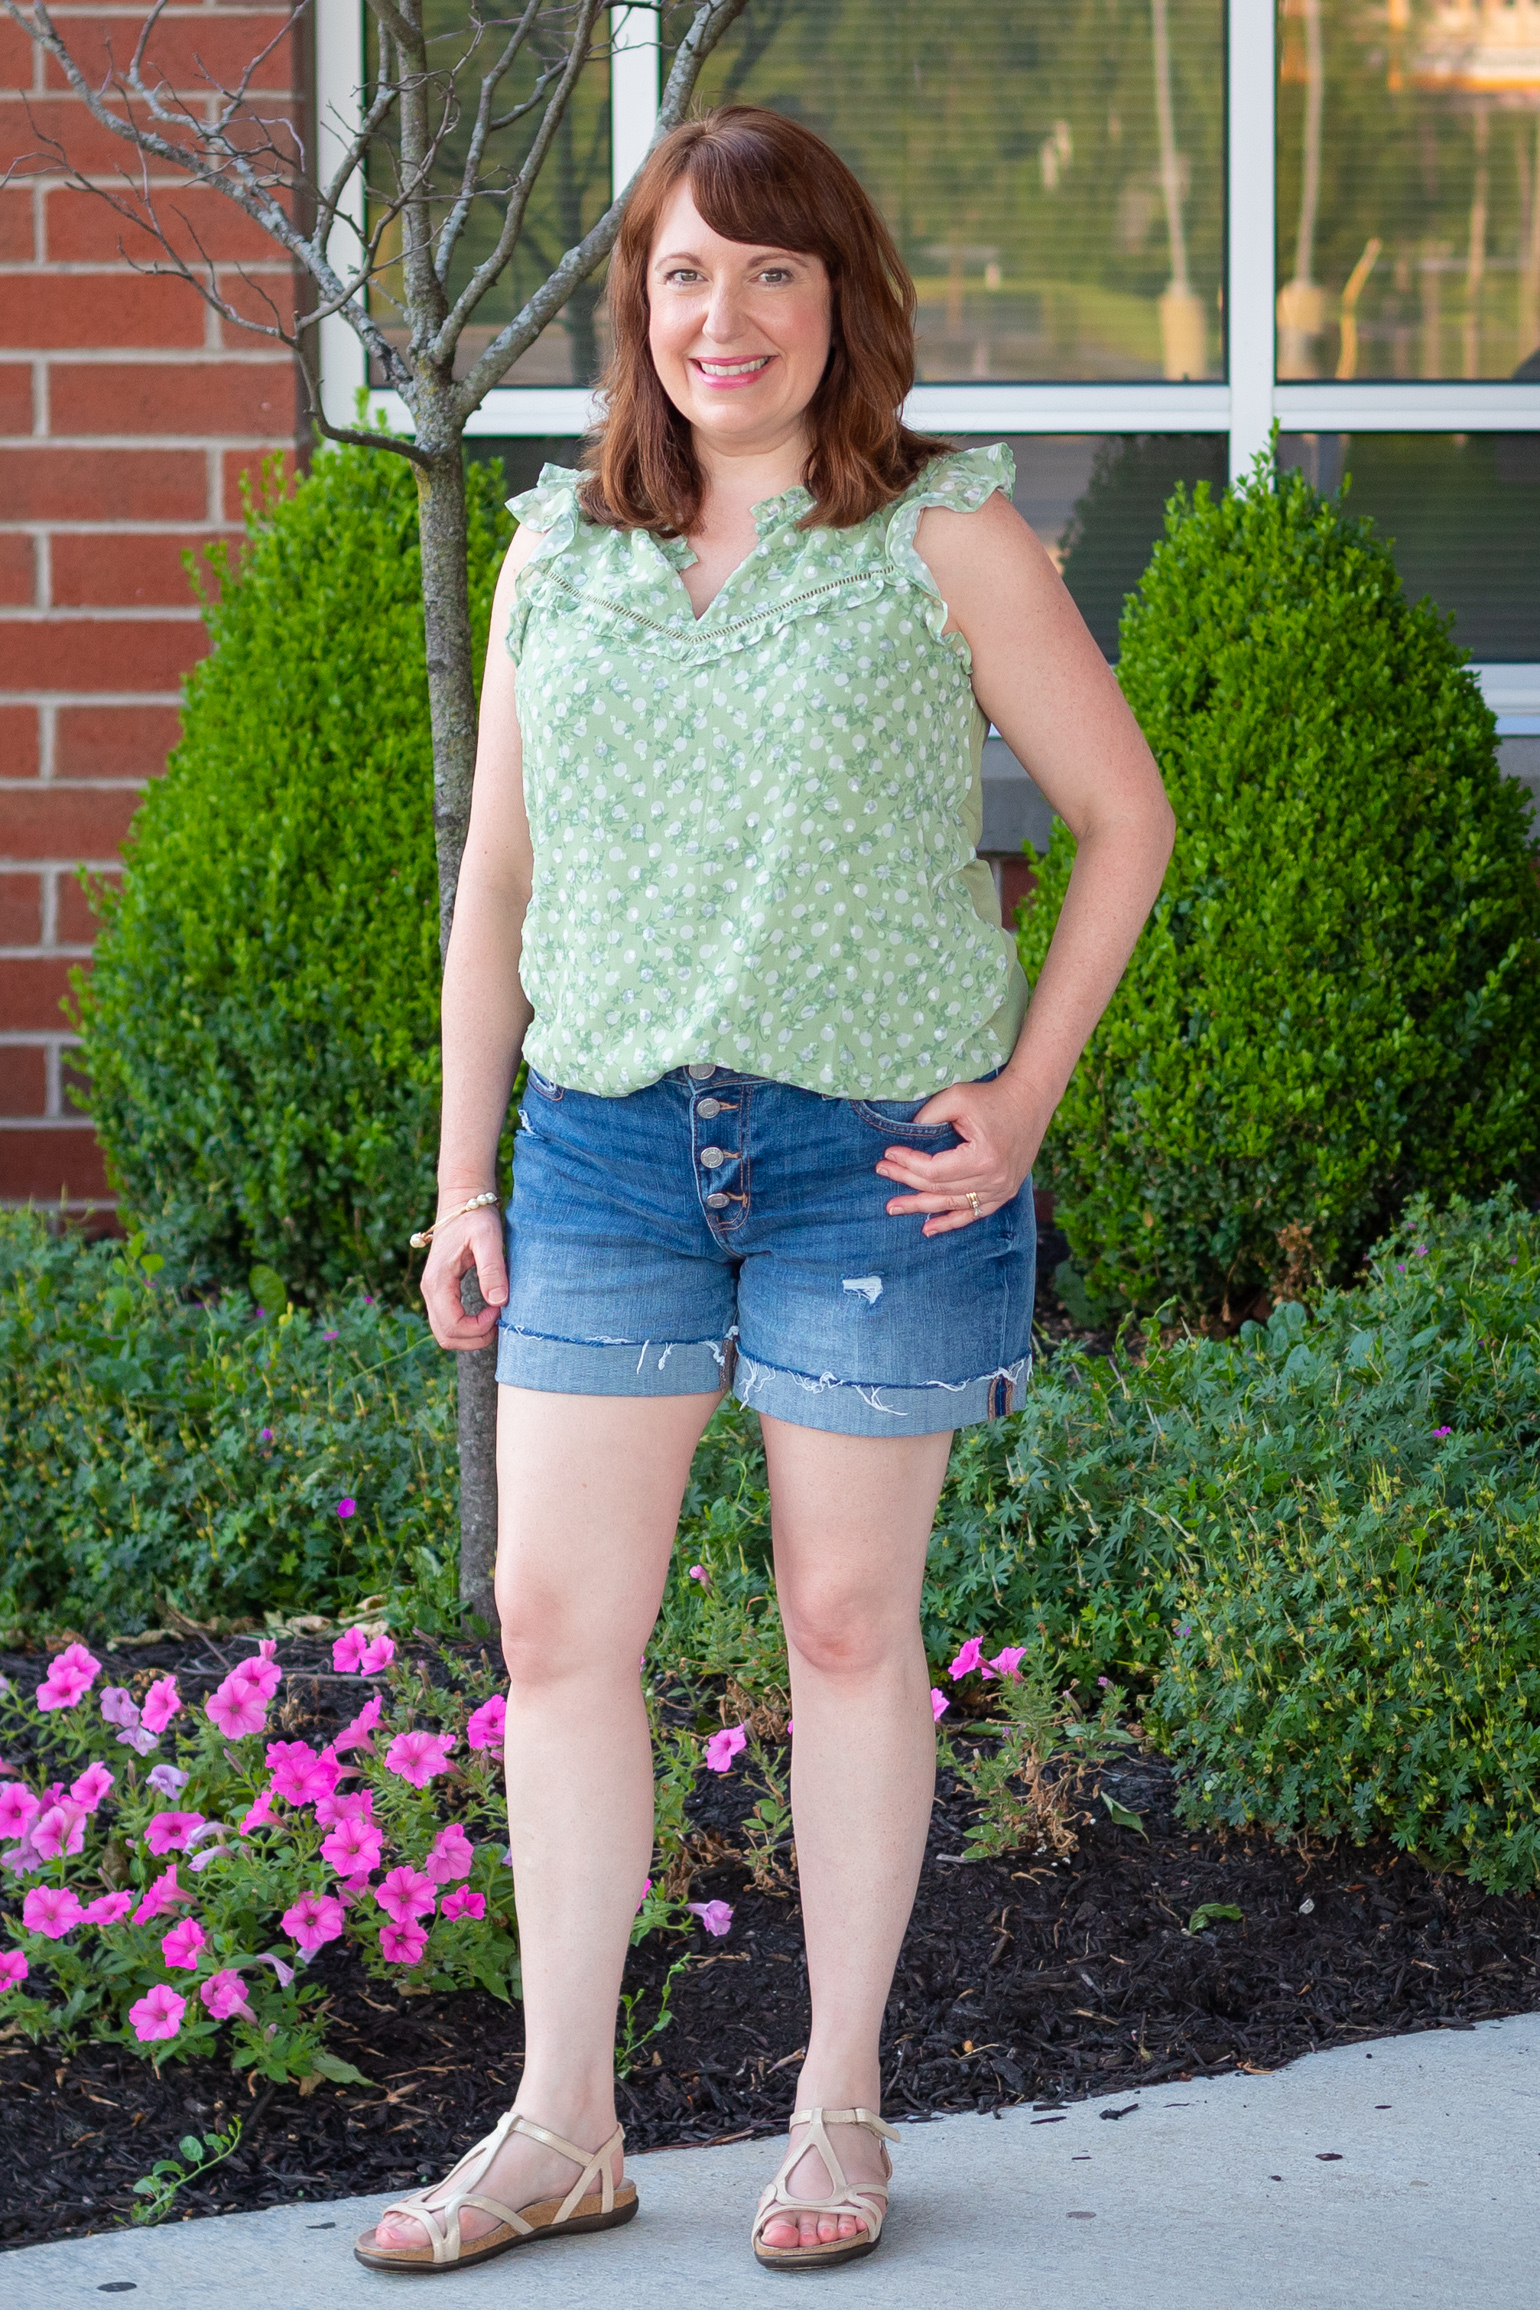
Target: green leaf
(1122,1817)
(339,2071)
(191,2147)
(267,1287)
(146,2189)
(1210,1913)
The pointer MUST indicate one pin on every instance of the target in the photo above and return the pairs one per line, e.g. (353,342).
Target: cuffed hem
(868,1408)
(578,1367)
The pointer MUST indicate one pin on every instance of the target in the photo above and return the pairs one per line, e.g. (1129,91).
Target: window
(1144,232)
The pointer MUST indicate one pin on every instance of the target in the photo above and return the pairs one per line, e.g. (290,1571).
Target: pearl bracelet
(476,1203)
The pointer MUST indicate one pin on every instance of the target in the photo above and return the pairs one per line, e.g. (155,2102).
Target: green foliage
(1337,1001)
(1025,1782)
(260,1021)
(159,1451)
(157,2189)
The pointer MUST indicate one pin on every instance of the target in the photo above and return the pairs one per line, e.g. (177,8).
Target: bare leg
(589,1490)
(852,1517)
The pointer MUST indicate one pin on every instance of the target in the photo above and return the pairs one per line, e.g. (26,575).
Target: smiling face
(739,333)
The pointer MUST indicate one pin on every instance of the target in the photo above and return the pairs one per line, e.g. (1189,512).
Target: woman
(784,1095)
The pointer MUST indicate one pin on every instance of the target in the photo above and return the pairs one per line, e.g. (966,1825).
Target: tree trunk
(452,705)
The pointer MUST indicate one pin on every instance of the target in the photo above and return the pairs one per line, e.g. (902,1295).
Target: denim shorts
(716,1230)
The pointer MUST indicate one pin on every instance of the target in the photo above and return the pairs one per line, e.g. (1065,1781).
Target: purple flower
(170,1780)
(1443,1431)
(723,1747)
(716,1916)
(328,1335)
(346,1508)
(264,1435)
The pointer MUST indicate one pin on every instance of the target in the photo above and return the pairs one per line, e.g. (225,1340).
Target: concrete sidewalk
(1403,2175)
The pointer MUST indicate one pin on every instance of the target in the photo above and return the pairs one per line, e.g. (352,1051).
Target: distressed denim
(717,1230)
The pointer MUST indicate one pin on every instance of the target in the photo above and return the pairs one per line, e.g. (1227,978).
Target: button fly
(706,1108)
(713,1157)
(702,1073)
(717,1202)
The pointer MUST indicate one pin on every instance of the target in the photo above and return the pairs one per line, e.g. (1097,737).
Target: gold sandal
(866,2202)
(581,2209)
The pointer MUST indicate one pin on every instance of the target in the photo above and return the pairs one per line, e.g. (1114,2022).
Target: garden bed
(1014,1985)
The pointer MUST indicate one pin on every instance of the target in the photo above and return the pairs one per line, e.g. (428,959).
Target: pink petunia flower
(61,1830)
(723,1747)
(699,1572)
(284,1971)
(170,1780)
(379,1652)
(716,1916)
(119,1705)
(345,1506)
(300,1775)
(344,1805)
(71,1674)
(939,1704)
(225,1994)
(449,1857)
(356,1734)
(161,1703)
(262,1672)
(91,1787)
(261,1815)
(109,1909)
(163,1894)
(970,1657)
(418,1756)
(352,1849)
(140,1739)
(18,1808)
(169,1832)
(402,1944)
(51,1909)
(184,1944)
(404,1894)
(13,1970)
(1007,1662)
(488,1724)
(462,1902)
(314,1919)
(236,1709)
(348,1651)
(157,2014)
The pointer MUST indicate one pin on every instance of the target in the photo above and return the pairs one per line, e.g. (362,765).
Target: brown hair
(758,177)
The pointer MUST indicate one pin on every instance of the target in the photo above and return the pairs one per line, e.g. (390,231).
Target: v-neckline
(767,515)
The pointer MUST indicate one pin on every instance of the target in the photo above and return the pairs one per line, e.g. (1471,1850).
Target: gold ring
(973,1199)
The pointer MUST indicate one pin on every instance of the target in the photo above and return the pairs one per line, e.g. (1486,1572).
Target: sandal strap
(442,2223)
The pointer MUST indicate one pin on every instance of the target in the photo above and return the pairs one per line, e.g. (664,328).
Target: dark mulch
(1013,1986)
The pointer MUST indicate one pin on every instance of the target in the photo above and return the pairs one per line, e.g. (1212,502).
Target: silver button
(708,1108)
(712,1157)
(702,1073)
(717,1202)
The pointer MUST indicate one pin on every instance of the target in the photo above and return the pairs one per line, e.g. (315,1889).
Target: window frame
(1245,407)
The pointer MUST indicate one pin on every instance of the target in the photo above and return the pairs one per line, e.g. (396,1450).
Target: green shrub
(1337,1000)
(161,1452)
(261,1021)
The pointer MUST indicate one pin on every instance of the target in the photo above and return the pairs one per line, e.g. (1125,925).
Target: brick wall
(128,412)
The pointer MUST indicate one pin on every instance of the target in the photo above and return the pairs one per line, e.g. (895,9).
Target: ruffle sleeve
(962,482)
(552,507)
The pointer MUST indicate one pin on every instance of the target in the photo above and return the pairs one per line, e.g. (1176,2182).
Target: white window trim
(1245,408)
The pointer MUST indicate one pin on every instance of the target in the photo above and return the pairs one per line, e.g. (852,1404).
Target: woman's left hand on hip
(1000,1139)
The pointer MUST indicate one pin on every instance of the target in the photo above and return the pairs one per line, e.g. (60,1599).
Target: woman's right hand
(469,1245)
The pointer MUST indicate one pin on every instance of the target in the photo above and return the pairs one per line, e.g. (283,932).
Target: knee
(542,1644)
(839,1634)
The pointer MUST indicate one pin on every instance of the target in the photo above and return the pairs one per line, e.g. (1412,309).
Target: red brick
(98,653)
(136,397)
(34,988)
(16,237)
(190,50)
(113,742)
(23,1079)
(17,56)
(30,130)
(64,822)
(18,570)
(15,397)
(267,299)
(118,308)
(74,924)
(81,228)
(120,569)
(21,909)
(49,484)
(64,1165)
(18,742)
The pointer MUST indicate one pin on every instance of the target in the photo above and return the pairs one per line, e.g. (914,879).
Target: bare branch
(454,224)
(712,19)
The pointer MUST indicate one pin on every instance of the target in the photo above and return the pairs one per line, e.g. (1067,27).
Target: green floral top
(754,831)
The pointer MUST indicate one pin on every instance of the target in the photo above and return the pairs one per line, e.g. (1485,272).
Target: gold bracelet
(476,1203)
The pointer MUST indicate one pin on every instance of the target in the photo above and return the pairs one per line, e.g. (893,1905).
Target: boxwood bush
(1337,1001)
(260,1025)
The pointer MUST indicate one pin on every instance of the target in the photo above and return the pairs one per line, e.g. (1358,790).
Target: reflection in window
(1098,502)
(1462,512)
(571,194)
(1051,169)
(1409,188)
(523,454)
